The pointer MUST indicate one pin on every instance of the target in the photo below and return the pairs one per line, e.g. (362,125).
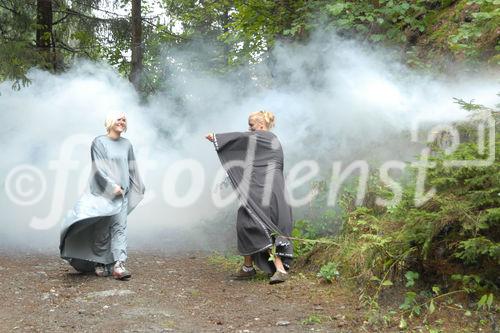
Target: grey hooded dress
(254,164)
(87,235)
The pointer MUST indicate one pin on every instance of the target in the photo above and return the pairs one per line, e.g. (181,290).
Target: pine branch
(62,19)
(66,47)
(69,11)
(5,6)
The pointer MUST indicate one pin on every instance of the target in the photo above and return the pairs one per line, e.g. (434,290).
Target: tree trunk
(225,21)
(285,19)
(44,38)
(137,47)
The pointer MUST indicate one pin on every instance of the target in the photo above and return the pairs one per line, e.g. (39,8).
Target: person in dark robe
(93,235)
(254,164)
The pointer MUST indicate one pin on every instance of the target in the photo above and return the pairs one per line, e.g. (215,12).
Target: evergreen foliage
(240,32)
(453,239)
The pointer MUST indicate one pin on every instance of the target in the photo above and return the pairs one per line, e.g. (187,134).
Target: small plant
(329,272)
(410,278)
(226,260)
(272,254)
(410,303)
(311,320)
(485,302)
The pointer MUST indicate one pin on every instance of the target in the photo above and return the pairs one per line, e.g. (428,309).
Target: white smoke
(334,100)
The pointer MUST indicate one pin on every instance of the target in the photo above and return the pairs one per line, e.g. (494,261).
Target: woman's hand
(118,190)
(210,137)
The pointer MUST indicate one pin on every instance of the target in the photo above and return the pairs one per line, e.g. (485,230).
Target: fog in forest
(334,100)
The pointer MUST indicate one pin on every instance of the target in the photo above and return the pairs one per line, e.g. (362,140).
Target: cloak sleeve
(137,188)
(232,141)
(100,169)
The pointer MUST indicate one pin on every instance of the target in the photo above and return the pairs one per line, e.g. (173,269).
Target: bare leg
(279,264)
(248,261)
(246,271)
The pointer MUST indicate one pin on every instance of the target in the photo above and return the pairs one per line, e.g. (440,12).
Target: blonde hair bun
(265,116)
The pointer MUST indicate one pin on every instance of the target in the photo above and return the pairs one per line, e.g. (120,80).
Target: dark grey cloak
(113,162)
(254,164)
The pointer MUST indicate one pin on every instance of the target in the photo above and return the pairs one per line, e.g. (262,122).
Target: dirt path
(41,293)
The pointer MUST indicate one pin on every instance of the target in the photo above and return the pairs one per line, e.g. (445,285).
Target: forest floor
(183,293)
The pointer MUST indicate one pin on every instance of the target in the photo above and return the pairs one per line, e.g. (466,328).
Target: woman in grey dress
(93,236)
(254,163)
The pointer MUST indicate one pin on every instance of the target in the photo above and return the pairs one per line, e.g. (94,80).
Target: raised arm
(237,140)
